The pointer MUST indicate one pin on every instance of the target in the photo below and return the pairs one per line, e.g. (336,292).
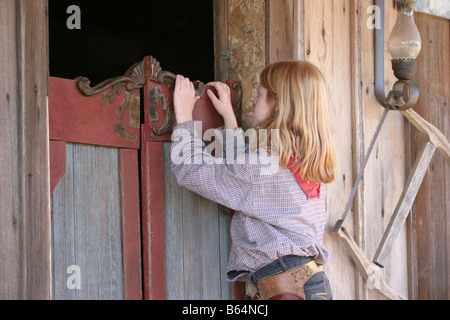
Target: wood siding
(334,36)
(431,212)
(25,267)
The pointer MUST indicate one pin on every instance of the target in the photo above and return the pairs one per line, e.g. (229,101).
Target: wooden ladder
(371,271)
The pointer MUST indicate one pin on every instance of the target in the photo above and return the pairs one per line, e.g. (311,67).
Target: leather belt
(289,284)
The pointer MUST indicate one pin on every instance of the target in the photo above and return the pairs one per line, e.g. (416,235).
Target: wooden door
(95,138)
(185,237)
(112,186)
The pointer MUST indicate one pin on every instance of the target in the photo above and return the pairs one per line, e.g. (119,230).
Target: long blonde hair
(298,100)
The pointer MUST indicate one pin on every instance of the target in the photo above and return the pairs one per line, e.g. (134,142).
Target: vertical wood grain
(131,224)
(174,233)
(431,212)
(197,243)
(153,220)
(87,225)
(220,8)
(25,231)
(281,30)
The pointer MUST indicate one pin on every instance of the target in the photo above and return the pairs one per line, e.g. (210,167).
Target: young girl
(279,219)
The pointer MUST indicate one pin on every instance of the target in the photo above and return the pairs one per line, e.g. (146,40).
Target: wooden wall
(334,36)
(432,223)
(25,271)
(337,39)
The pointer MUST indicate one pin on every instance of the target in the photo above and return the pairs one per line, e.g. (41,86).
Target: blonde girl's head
(297,101)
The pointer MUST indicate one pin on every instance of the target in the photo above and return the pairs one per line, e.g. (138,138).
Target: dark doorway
(115,34)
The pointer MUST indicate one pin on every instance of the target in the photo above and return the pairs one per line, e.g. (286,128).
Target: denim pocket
(318,287)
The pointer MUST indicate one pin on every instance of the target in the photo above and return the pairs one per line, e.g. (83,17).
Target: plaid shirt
(273,216)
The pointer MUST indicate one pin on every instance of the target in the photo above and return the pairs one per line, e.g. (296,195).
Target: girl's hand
(184,99)
(223,103)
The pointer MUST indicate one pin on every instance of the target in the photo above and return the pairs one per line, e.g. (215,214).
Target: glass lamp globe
(405,43)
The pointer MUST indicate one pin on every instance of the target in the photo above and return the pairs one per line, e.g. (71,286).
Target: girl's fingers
(223,90)
(212,96)
(178,82)
(219,85)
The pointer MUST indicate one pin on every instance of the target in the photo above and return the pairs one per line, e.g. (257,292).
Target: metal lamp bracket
(404,95)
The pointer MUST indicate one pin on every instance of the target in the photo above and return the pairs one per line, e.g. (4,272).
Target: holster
(288,285)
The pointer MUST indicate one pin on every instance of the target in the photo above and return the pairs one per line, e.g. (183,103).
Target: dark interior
(115,34)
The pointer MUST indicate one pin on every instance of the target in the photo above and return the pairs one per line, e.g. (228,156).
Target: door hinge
(225,55)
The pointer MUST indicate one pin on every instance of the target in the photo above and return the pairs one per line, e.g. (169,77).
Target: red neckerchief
(312,190)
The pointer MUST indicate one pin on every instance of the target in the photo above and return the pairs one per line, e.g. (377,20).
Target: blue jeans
(316,288)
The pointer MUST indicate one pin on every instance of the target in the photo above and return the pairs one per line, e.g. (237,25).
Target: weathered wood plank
(197,243)
(369,271)
(25,227)
(220,39)
(433,199)
(281,30)
(210,239)
(174,232)
(131,226)
(356,34)
(225,244)
(430,132)
(153,225)
(192,245)
(87,225)
(404,205)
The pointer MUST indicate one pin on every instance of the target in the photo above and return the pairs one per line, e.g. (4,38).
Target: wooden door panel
(185,237)
(196,243)
(94,173)
(96,132)
(108,118)
(87,229)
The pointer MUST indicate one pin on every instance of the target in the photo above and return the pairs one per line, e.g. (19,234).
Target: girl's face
(261,106)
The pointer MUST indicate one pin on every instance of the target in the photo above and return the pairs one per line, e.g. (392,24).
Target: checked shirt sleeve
(214,178)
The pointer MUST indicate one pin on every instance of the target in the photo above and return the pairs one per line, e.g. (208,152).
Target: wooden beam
(131,234)
(220,39)
(358,130)
(404,205)
(431,133)
(369,271)
(25,229)
(153,225)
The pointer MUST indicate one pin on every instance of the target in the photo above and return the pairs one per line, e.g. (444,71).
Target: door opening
(116,34)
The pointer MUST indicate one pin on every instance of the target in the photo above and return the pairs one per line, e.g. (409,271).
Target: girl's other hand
(222,103)
(184,99)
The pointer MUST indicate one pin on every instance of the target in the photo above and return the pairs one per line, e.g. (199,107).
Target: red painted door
(94,148)
(129,119)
